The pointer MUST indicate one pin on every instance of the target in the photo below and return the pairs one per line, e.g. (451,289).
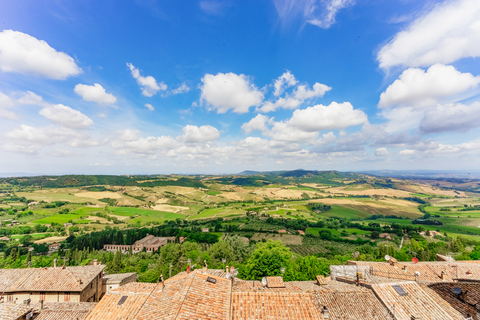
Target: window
(399,290)
(66,296)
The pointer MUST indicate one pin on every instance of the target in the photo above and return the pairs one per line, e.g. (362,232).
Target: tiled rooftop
(466,301)
(48,279)
(117,278)
(414,302)
(191,296)
(111,307)
(351,305)
(65,310)
(273,305)
(13,311)
(275,282)
(430,271)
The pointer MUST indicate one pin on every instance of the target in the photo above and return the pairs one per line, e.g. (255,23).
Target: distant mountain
(425,174)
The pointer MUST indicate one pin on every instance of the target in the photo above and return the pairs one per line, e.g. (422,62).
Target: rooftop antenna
(457,290)
(264,281)
(387,257)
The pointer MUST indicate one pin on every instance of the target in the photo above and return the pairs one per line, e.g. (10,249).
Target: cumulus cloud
(284,81)
(32,137)
(129,141)
(447,33)
(149,107)
(382,152)
(229,91)
(66,116)
(258,123)
(22,53)
(183,88)
(334,116)
(407,152)
(148,84)
(7,103)
(296,98)
(95,93)
(194,134)
(316,12)
(451,117)
(418,88)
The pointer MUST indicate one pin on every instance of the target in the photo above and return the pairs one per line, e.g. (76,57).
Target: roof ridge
(185,296)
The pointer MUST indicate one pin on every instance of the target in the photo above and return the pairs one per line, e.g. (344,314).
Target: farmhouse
(58,284)
(205,230)
(150,243)
(385,235)
(54,247)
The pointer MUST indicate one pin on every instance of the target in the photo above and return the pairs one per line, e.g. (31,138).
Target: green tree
(119,237)
(219,251)
(117,262)
(241,250)
(266,260)
(13,254)
(28,258)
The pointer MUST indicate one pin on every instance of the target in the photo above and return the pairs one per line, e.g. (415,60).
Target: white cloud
(7,103)
(214,7)
(407,152)
(183,88)
(149,107)
(22,53)
(11,147)
(229,91)
(28,136)
(419,88)
(331,9)
(447,33)
(282,131)
(334,116)
(286,80)
(148,84)
(128,142)
(95,93)
(451,117)
(296,98)
(66,116)
(194,134)
(303,92)
(382,152)
(320,13)
(258,123)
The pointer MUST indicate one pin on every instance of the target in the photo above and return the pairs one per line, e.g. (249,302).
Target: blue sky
(211,86)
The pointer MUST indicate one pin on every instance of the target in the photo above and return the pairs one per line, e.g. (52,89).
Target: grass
(218,212)
(35,236)
(87,210)
(213,192)
(61,219)
(343,212)
(144,215)
(421,195)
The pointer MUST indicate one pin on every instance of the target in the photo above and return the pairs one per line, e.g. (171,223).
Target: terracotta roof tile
(189,296)
(275,282)
(416,302)
(123,303)
(273,305)
(49,279)
(351,305)
(65,310)
(13,311)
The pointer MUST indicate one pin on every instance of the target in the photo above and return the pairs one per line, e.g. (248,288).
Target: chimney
(41,304)
(55,262)
(204,269)
(443,275)
(79,281)
(325,312)
(405,268)
(162,282)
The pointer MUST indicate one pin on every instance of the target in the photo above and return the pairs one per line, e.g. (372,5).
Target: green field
(61,219)
(144,215)
(35,236)
(213,192)
(337,232)
(218,213)
(342,212)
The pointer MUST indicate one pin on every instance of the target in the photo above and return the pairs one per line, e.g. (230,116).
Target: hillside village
(444,289)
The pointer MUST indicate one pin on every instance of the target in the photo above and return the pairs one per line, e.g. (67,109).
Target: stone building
(58,284)
(150,243)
